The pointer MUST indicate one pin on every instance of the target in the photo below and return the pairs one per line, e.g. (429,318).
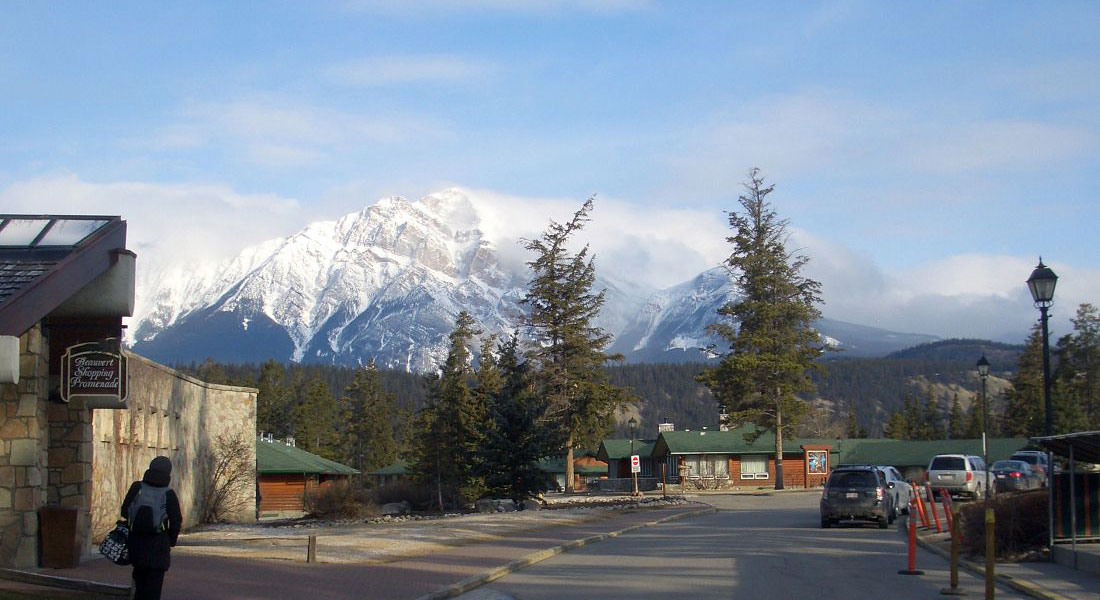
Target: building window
(754,467)
(707,465)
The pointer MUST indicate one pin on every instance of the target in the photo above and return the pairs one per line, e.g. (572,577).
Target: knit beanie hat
(162,464)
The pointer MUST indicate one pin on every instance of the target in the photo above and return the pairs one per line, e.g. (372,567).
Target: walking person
(153,512)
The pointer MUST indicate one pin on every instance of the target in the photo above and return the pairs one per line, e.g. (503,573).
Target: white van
(960,475)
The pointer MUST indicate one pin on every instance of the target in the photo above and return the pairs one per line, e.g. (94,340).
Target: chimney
(290,442)
(663,427)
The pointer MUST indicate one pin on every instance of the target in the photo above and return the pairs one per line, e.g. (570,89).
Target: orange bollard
(921,512)
(947,509)
(912,570)
(932,508)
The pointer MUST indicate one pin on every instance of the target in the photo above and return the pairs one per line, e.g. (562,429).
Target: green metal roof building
(285,474)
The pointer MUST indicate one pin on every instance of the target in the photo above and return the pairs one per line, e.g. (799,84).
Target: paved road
(754,547)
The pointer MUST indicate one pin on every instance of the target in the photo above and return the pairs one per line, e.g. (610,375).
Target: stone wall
(173,415)
(23,452)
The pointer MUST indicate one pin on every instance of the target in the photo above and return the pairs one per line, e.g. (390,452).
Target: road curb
(1020,585)
(476,581)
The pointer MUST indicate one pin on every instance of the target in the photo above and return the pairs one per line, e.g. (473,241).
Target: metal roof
(618,449)
(1085,444)
(398,468)
(277,457)
(912,453)
(735,441)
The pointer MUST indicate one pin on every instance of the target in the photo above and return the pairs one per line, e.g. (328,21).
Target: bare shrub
(229,474)
(1020,524)
(340,500)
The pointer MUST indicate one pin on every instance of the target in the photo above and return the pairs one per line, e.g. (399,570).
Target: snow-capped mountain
(386,283)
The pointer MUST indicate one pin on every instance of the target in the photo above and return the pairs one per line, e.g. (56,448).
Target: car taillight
(878,493)
(1016,474)
(969,476)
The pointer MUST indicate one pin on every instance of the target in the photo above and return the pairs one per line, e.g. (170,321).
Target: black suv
(857,493)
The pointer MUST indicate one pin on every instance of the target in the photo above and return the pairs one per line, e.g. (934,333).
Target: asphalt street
(753,547)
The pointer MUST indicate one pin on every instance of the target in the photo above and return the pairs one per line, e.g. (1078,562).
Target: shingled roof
(46,259)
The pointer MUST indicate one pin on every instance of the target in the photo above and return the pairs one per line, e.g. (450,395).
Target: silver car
(899,487)
(959,474)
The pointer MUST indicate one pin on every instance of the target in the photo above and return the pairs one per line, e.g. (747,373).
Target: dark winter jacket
(154,550)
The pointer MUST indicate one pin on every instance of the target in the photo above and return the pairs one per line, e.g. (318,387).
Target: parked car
(900,489)
(1014,475)
(857,493)
(959,474)
(1037,461)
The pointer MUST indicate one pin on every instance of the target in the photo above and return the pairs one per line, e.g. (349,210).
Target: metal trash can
(58,536)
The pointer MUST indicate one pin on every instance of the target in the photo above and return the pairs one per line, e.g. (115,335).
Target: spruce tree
(932,419)
(568,346)
(769,329)
(1078,372)
(315,421)
(1024,405)
(273,400)
(369,420)
(451,425)
(956,419)
(518,435)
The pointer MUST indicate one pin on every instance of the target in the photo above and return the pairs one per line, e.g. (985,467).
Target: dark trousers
(147,583)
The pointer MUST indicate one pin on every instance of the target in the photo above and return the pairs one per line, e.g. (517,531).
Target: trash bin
(58,536)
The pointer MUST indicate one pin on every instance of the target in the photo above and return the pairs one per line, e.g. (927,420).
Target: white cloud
(390,70)
(167,224)
(997,144)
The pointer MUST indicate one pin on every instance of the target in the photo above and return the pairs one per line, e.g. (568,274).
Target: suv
(901,490)
(1038,462)
(857,493)
(959,474)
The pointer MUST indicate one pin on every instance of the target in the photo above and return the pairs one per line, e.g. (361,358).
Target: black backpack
(149,510)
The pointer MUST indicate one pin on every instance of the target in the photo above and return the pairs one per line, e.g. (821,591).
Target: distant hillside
(1002,357)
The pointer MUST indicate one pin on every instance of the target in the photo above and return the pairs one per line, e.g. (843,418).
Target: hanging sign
(96,373)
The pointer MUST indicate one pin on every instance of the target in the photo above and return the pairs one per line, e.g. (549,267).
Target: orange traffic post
(921,512)
(912,570)
(948,509)
(932,507)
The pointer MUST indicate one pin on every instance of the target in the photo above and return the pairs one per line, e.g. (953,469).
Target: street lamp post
(633,423)
(1041,283)
(983,373)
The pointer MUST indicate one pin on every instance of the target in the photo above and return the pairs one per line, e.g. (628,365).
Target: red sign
(95,372)
(635,464)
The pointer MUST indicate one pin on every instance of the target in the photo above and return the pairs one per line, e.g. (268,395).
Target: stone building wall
(173,415)
(24,452)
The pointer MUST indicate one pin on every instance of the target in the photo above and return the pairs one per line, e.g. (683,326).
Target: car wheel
(883,523)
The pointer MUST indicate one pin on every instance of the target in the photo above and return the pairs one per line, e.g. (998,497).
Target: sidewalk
(442,574)
(1043,580)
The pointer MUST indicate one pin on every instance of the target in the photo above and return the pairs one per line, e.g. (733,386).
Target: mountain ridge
(385,283)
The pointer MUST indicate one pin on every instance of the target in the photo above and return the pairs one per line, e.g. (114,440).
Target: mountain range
(386,284)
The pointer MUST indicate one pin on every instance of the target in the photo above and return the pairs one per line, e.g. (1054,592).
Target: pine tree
(852,428)
(769,329)
(1024,405)
(517,437)
(932,418)
(369,417)
(955,427)
(273,400)
(974,421)
(1078,359)
(315,422)
(896,427)
(451,425)
(569,347)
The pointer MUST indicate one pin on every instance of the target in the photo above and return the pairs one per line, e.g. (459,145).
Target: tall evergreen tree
(1024,405)
(1078,358)
(273,400)
(769,329)
(518,435)
(569,346)
(956,419)
(451,425)
(315,421)
(974,421)
(369,421)
(932,419)
(852,428)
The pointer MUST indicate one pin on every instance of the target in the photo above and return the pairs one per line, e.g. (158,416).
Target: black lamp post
(1041,283)
(983,373)
(633,423)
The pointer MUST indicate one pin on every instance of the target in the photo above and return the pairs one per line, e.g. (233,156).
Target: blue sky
(911,143)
